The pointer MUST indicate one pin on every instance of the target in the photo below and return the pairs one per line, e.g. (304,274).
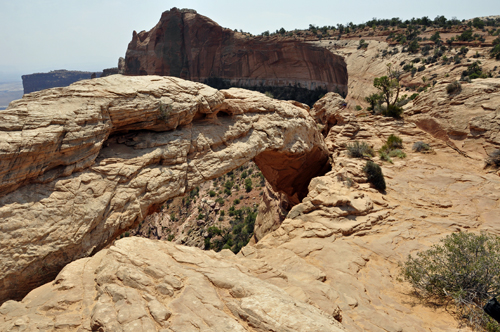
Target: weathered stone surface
(97,157)
(272,211)
(127,288)
(191,46)
(469,119)
(329,111)
(334,256)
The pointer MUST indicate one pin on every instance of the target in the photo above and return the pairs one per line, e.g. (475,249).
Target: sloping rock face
(127,288)
(82,164)
(335,256)
(469,119)
(53,79)
(191,46)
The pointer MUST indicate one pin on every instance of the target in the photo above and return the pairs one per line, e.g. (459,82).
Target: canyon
(83,165)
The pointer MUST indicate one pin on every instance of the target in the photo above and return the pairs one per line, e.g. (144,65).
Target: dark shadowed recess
(295,92)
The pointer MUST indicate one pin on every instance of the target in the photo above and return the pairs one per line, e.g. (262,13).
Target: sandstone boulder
(91,160)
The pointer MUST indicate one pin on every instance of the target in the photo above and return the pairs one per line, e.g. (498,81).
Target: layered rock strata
(191,46)
(334,257)
(89,161)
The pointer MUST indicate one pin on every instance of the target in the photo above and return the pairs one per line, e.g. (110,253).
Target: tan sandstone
(98,156)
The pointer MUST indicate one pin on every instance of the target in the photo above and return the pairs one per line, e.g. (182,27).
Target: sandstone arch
(80,165)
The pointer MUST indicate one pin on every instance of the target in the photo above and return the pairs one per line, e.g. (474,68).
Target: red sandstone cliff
(191,46)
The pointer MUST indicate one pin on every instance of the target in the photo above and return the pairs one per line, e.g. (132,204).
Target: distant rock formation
(191,46)
(109,71)
(54,79)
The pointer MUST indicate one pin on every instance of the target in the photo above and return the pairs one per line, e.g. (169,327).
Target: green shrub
(236,201)
(374,175)
(454,87)
(464,267)
(413,96)
(494,158)
(495,51)
(393,111)
(212,193)
(397,153)
(358,108)
(420,146)
(359,150)
(248,185)
(394,142)
(362,44)
(384,155)
(474,71)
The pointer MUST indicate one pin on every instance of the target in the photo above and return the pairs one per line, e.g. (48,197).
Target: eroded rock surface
(144,285)
(97,157)
(470,118)
(335,254)
(191,46)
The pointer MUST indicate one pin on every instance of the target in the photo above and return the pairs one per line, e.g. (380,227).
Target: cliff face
(191,46)
(53,79)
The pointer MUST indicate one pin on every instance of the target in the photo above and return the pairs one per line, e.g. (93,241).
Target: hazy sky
(90,35)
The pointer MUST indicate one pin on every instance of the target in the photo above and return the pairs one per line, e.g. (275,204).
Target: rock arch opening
(108,187)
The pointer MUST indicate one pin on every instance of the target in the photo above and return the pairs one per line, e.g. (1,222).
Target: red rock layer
(191,46)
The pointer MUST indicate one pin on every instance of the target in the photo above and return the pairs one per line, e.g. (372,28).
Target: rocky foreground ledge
(82,164)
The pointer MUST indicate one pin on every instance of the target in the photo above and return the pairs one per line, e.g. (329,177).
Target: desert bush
(462,267)
(454,87)
(362,44)
(397,153)
(374,175)
(393,111)
(493,158)
(420,146)
(495,51)
(358,108)
(413,96)
(212,193)
(474,71)
(359,150)
(394,141)
(392,148)
(384,155)
(248,185)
